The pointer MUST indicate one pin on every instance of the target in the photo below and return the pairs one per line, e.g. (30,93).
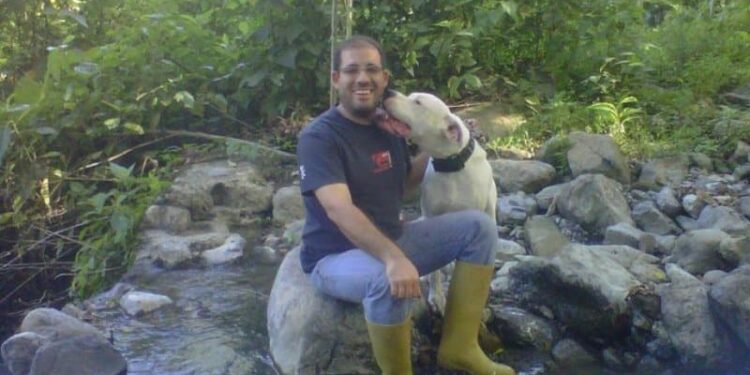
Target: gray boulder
(693,204)
(595,202)
(513,209)
(18,351)
(670,171)
(688,321)
(666,201)
(311,333)
(698,251)
(585,289)
(528,176)
(169,218)
(543,236)
(596,153)
(723,218)
(221,188)
(730,300)
(54,325)
(651,220)
(81,355)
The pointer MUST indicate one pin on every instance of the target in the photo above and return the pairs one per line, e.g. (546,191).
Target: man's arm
(357,227)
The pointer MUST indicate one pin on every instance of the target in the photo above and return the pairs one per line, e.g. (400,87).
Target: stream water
(217,324)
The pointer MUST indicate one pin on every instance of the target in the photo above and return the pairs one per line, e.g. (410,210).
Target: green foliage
(612,117)
(111,218)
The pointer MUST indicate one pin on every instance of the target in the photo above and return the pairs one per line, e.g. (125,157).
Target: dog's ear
(453,131)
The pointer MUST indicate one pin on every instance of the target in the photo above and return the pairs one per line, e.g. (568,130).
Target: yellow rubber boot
(467,295)
(391,345)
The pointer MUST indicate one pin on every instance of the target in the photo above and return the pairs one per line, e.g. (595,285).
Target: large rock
(596,153)
(585,289)
(513,209)
(669,171)
(522,328)
(169,218)
(287,205)
(595,202)
(730,300)
(18,351)
(170,251)
(82,355)
(698,251)
(54,325)
(651,220)
(723,218)
(688,321)
(311,333)
(231,190)
(528,176)
(543,236)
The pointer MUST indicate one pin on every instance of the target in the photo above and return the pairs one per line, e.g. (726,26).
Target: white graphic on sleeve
(302,172)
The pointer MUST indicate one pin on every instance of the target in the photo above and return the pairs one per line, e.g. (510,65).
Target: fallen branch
(123,153)
(185,133)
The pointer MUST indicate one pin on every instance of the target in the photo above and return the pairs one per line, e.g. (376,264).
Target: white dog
(458,177)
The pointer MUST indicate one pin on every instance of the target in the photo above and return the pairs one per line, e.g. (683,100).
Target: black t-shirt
(371,162)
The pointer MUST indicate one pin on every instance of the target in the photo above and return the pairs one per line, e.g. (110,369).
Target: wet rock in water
(570,354)
(287,205)
(597,153)
(265,255)
(18,351)
(54,324)
(595,202)
(82,355)
(688,320)
(528,176)
(651,220)
(543,236)
(227,252)
(311,332)
(730,300)
(137,302)
(171,251)
(698,251)
(520,327)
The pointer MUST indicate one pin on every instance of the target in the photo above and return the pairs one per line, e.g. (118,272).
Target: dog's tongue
(392,125)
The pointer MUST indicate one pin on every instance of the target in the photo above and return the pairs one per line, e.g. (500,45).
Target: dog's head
(433,127)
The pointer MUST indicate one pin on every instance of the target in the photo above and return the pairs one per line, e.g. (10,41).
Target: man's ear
(335,76)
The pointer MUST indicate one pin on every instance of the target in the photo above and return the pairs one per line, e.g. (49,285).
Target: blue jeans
(357,276)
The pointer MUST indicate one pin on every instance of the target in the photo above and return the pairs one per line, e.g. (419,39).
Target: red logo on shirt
(382,161)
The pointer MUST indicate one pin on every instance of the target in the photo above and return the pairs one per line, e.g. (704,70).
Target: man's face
(360,82)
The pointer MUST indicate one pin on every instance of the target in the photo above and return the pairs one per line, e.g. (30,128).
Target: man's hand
(390,124)
(403,278)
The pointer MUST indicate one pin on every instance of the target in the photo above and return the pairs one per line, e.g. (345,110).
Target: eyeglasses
(370,70)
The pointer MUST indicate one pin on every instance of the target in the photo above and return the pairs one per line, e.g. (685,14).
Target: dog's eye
(418,102)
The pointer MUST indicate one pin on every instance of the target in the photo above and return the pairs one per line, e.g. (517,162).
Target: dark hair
(356,41)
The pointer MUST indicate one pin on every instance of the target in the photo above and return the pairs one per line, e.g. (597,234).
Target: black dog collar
(455,162)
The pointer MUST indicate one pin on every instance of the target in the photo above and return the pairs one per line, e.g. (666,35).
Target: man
(353,175)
